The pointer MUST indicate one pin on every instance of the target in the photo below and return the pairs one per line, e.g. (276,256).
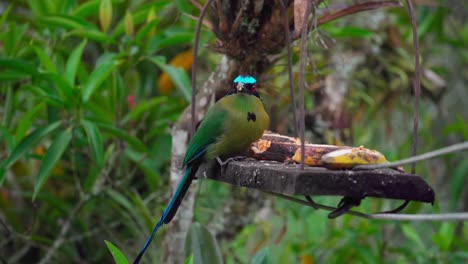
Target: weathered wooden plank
(288,179)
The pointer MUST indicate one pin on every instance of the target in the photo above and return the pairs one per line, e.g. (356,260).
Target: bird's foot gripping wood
(344,206)
(224,163)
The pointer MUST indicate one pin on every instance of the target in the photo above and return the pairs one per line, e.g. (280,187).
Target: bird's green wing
(211,127)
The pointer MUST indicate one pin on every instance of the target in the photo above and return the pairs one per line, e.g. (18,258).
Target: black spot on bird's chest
(251,117)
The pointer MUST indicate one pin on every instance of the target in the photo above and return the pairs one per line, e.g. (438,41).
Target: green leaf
(118,256)
(12,37)
(37,7)
(67,22)
(86,9)
(25,123)
(90,179)
(202,245)
(95,141)
(62,86)
(92,34)
(44,94)
(261,257)
(183,6)
(120,199)
(19,66)
(131,140)
(73,62)
(145,29)
(142,108)
(100,112)
(348,31)
(189,259)
(12,76)
(458,183)
(8,111)
(45,59)
(138,18)
(7,138)
(444,238)
(175,39)
(43,7)
(52,155)
(177,75)
(98,76)
(5,14)
(50,6)
(147,165)
(411,233)
(26,144)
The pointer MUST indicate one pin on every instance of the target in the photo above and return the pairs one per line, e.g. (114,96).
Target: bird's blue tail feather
(166,212)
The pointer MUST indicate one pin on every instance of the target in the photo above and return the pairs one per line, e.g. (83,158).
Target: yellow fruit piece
(182,60)
(312,156)
(348,158)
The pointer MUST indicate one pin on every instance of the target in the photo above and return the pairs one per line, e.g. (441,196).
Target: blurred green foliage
(85,135)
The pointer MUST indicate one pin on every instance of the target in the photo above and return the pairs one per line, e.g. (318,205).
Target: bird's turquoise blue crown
(247,79)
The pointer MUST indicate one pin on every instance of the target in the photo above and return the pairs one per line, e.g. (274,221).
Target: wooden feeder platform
(288,179)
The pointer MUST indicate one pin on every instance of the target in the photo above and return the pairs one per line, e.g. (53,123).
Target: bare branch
(63,232)
(422,217)
(356,8)
(302,80)
(290,74)
(416,83)
(463,216)
(194,64)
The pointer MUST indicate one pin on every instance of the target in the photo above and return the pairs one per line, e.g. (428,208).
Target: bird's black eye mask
(244,84)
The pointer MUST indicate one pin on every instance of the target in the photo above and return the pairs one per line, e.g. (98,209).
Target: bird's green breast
(245,121)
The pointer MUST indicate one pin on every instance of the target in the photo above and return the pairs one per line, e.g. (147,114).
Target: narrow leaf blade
(203,245)
(177,75)
(52,155)
(118,256)
(67,22)
(25,123)
(72,63)
(95,141)
(26,144)
(131,140)
(97,77)
(45,59)
(261,257)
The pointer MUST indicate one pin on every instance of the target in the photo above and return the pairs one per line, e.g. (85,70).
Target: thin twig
(356,8)
(463,216)
(194,64)
(422,217)
(417,82)
(92,232)
(235,25)
(5,226)
(196,4)
(314,205)
(63,232)
(426,156)
(290,74)
(302,81)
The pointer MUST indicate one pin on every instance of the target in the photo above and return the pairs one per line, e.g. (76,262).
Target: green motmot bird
(229,127)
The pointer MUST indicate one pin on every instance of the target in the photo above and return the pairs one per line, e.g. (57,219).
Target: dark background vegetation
(89,91)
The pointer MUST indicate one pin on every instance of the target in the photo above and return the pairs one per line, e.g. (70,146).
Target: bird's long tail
(172,207)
